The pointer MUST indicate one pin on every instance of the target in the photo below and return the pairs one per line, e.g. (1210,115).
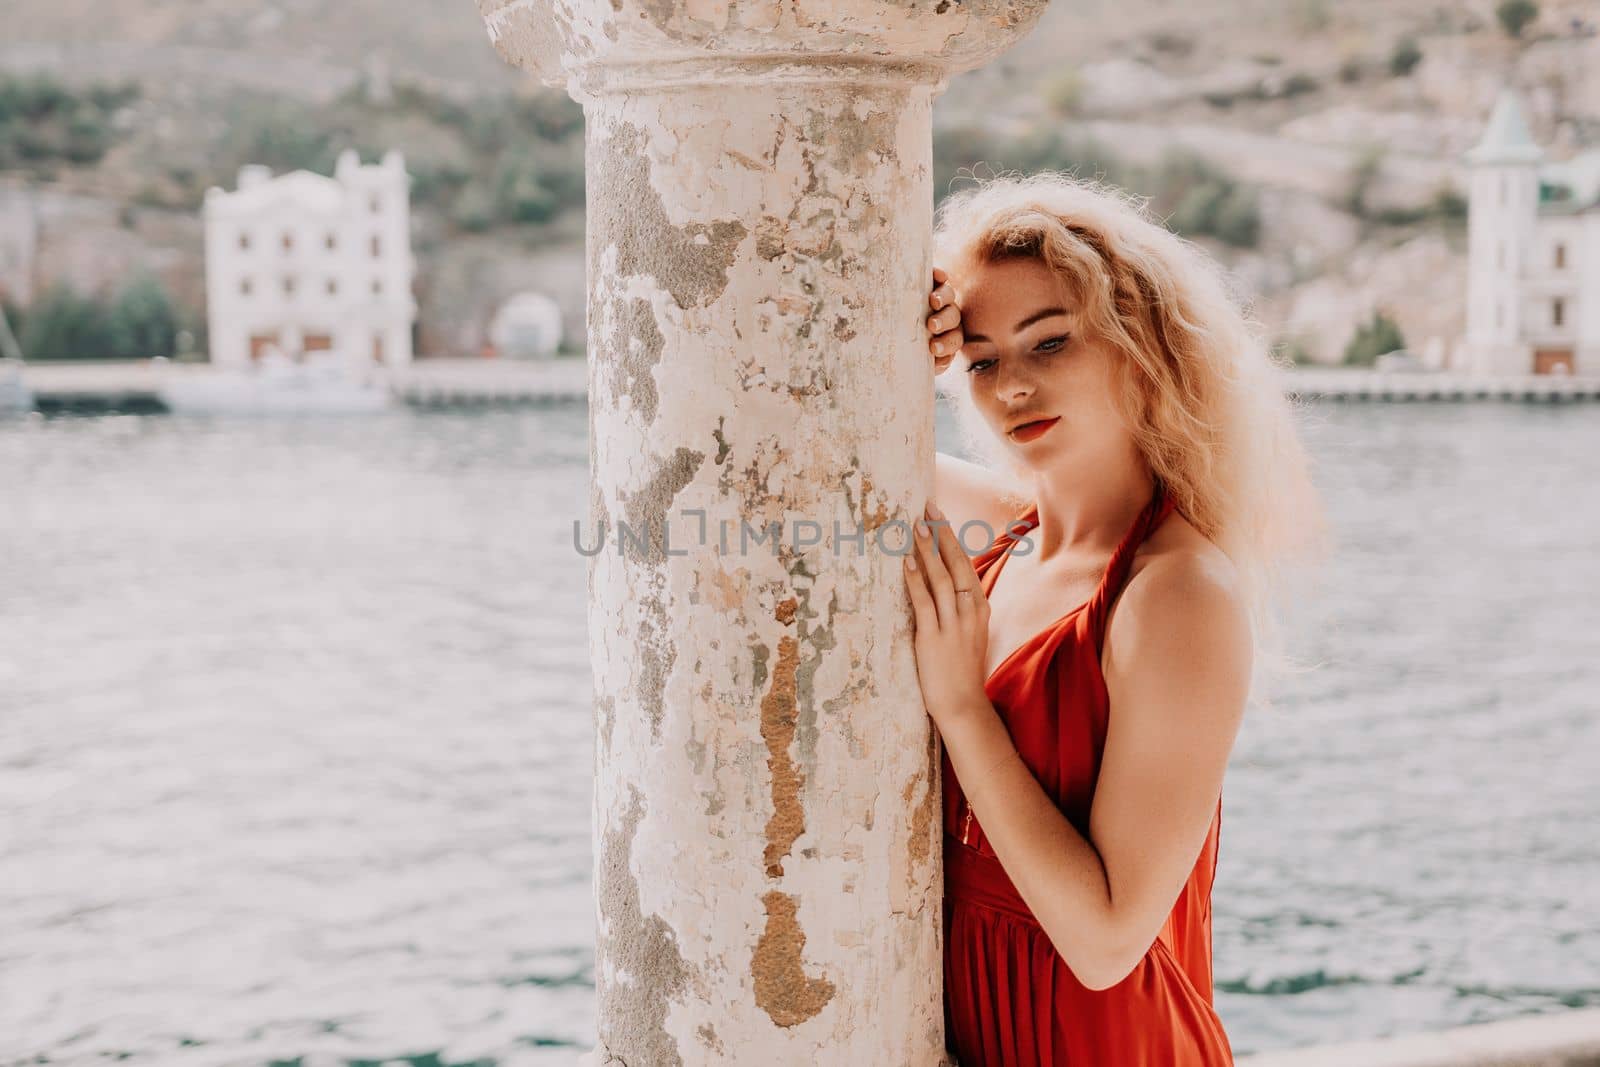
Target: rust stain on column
(920,845)
(778,713)
(782,989)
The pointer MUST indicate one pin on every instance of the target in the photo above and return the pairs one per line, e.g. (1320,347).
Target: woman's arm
(968,491)
(1178,658)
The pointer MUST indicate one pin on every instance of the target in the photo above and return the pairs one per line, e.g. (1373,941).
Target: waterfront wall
(1563,1039)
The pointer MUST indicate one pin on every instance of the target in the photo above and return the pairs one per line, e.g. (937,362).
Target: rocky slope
(1348,116)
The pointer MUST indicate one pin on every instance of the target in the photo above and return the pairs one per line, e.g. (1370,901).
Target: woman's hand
(952,623)
(944,323)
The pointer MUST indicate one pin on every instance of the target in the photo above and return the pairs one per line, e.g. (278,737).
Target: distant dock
(132,386)
(1439,386)
(454,383)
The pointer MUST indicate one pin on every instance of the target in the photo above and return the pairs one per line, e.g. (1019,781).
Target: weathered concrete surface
(587,46)
(759,227)
(1563,1039)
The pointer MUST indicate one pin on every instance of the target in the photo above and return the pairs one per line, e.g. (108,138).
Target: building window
(244,240)
(1500,253)
(333,286)
(376,203)
(1561,257)
(377,287)
(244,287)
(288,241)
(331,241)
(377,246)
(288,287)
(1558,311)
(1505,187)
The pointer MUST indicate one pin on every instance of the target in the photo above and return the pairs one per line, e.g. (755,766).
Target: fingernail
(938,302)
(911,561)
(939,346)
(933,509)
(922,530)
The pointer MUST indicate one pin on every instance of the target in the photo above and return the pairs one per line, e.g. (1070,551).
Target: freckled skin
(1017,374)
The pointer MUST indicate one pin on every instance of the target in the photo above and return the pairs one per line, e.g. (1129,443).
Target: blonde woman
(1088,670)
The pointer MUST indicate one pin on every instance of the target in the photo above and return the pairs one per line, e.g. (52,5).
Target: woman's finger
(922,608)
(929,560)
(944,320)
(955,558)
(948,343)
(962,573)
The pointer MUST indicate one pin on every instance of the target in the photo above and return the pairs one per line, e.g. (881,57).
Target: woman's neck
(1086,514)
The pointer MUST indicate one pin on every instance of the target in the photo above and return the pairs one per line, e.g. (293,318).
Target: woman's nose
(1012,382)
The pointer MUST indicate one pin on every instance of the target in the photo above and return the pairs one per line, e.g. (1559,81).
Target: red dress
(1010,999)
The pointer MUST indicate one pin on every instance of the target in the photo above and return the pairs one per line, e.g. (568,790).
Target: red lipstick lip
(1029,430)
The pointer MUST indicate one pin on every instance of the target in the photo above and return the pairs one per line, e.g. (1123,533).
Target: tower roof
(1506,138)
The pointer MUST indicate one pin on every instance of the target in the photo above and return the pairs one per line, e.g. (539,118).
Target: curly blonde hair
(1197,385)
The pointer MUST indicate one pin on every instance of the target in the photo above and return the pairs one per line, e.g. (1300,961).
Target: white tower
(1501,221)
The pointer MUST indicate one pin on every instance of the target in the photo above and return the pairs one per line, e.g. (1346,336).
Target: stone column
(766,808)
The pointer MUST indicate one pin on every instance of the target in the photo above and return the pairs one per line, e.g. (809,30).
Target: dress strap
(1016,526)
(1155,512)
(1116,572)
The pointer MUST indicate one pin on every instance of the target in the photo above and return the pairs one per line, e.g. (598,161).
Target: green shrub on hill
(1514,15)
(1404,57)
(64,324)
(1063,92)
(1376,337)
(61,324)
(141,322)
(43,122)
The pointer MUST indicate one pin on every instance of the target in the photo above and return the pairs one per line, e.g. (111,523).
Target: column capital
(590,47)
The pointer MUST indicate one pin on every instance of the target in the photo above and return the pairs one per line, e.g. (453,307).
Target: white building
(1533,272)
(307,263)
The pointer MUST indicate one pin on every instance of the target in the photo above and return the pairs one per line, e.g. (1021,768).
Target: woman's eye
(1051,344)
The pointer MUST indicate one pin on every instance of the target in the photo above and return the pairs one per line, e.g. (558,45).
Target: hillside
(1319,140)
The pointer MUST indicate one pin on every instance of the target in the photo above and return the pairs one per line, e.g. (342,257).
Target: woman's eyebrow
(1043,313)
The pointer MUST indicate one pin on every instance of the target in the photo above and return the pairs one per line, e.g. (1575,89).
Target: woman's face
(1027,359)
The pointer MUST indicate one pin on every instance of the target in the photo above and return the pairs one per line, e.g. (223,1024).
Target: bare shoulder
(1183,598)
(969,492)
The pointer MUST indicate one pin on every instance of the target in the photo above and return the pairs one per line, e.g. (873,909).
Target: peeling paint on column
(765,804)
(691,262)
(605,709)
(642,947)
(782,989)
(632,369)
(708,1036)
(646,512)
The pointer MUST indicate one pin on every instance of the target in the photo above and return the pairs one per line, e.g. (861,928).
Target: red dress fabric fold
(1010,1000)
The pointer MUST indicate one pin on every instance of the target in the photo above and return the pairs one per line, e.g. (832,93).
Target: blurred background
(294,713)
